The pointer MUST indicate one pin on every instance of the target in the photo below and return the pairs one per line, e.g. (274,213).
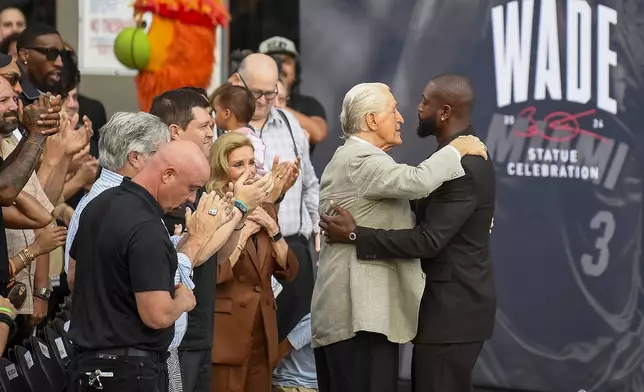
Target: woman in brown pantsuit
(245,338)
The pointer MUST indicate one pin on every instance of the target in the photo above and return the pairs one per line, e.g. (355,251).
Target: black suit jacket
(452,239)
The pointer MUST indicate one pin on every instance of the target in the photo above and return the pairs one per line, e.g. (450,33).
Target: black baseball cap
(5,60)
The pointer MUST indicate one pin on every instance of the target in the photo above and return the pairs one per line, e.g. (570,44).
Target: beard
(427,127)
(8,125)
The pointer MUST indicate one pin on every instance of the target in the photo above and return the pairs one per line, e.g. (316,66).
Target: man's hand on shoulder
(469,145)
(337,225)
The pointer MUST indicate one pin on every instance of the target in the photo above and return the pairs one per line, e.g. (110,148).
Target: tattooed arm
(16,170)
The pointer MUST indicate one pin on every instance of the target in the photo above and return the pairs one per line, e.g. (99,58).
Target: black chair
(10,379)
(31,370)
(58,325)
(43,355)
(66,314)
(58,347)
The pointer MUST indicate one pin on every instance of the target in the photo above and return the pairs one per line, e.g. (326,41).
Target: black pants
(196,368)
(294,302)
(366,363)
(131,374)
(444,367)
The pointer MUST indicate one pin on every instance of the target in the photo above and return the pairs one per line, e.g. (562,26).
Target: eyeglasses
(257,94)
(52,54)
(13,78)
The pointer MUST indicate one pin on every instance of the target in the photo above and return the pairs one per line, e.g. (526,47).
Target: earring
(25,62)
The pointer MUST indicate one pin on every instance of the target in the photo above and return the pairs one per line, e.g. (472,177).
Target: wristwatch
(277,236)
(43,293)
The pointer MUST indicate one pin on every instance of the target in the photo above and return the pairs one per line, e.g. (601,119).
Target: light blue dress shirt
(107,180)
(297,369)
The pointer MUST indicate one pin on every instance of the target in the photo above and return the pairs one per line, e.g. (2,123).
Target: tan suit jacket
(381,296)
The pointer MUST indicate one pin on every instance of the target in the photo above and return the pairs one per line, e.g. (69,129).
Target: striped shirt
(298,213)
(107,180)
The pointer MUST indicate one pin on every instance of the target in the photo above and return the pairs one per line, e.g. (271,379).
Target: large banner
(560,100)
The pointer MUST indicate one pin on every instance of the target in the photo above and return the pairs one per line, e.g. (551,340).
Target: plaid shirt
(298,213)
(18,240)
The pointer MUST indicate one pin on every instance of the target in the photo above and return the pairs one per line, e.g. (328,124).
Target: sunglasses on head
(13,78)
(51,54)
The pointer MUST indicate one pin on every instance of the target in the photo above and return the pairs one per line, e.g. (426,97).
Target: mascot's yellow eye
(146,21)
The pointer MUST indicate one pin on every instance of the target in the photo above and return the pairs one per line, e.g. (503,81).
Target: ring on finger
(212,211)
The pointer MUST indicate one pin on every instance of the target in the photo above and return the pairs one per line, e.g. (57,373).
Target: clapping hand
(284,176)
(42,117)
(293,173)
(253,193)
(209,216)
(229,199)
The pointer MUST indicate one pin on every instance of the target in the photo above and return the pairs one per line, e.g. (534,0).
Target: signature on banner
(556,122)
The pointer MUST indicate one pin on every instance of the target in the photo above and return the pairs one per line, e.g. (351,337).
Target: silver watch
(43,293)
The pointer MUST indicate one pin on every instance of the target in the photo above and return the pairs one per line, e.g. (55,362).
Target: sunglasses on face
(13,79)
(52,54)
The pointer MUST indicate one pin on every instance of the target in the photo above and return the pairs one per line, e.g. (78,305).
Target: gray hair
(361,100)
(140,132)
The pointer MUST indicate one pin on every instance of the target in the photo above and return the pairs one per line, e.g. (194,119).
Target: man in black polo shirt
(18,167)
(125,300)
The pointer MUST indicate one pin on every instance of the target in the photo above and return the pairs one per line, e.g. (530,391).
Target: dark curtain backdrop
(255,20)
(567,251)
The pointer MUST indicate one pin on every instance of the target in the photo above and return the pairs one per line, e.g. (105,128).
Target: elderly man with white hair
(363,309)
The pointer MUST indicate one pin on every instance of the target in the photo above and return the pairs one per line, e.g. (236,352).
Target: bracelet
(5,310)
(40,296)
(28,257)
(5,318)
(244,225)
(22,258)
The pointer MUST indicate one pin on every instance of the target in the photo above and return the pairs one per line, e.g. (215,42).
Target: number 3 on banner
(590,265)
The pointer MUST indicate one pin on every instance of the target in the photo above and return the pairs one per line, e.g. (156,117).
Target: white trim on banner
(220,68)
(99,22)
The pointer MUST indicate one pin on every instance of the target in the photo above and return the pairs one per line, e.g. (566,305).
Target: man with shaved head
(125,299)
(298,213)
(452,239)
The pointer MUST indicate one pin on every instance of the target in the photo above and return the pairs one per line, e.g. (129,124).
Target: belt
(126,351)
